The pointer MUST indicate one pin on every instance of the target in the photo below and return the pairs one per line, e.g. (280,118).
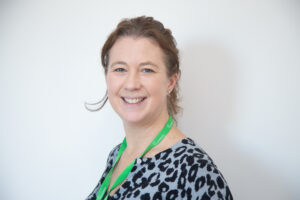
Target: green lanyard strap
(126,171)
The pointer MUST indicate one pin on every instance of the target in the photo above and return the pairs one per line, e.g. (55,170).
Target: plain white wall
(239,87)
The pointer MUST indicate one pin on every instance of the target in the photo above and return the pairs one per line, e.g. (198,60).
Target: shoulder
(185,152)
(110,159)
(112,155)
(190,152)
(199,172)
(195,172)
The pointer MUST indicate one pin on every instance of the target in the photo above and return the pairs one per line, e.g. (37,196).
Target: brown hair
(149,28)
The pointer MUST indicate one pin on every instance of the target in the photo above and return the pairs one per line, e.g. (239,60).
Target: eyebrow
(141,64)
(118,63)
(148,63)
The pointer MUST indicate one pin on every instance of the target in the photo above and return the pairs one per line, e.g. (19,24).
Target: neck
(138,137)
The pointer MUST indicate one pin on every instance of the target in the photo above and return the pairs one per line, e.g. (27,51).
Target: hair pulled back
(147,27)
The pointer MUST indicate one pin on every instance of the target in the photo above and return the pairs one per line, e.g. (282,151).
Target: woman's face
(137,80)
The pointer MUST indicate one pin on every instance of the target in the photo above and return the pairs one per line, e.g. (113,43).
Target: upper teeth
(135,100)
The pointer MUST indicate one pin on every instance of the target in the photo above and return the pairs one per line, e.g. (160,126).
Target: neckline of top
(171,147)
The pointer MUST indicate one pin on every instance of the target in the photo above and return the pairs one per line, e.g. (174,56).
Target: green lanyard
(126,171)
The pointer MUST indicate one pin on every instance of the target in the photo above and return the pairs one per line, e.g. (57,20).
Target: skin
(137,71)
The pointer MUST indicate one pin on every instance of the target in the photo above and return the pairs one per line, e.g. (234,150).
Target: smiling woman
(137,81)
(155,160)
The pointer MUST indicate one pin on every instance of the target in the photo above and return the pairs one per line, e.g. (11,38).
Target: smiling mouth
(133,100)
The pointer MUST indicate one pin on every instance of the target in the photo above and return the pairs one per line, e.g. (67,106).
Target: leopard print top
(183,171)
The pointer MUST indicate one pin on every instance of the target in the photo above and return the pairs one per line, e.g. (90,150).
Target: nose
(133,81)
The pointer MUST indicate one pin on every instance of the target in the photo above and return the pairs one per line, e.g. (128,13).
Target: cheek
(111,84)
(158,87)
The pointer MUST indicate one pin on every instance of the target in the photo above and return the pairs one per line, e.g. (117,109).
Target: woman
(155,160)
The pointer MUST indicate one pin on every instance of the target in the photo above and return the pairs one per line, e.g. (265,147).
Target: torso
(184,171)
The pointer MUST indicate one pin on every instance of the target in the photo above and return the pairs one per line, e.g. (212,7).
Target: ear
(172,81)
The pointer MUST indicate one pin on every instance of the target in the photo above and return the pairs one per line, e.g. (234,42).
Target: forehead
(133,50)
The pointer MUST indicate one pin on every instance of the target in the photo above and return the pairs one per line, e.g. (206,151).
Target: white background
(239,87)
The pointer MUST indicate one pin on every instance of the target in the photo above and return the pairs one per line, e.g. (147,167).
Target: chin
(133,118)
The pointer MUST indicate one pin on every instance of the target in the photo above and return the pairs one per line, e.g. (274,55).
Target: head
(148,28)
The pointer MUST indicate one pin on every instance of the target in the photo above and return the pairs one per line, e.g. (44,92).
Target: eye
(147,70)
(120,69)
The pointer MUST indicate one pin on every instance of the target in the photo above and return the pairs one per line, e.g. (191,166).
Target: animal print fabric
(184,171)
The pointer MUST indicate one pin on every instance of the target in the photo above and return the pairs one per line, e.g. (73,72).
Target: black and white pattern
(183,171)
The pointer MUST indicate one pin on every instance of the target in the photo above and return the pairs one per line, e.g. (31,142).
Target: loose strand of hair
(99,104)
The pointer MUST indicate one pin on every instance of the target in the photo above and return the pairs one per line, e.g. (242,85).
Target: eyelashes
(148,70)
(145,70)
(119,70)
